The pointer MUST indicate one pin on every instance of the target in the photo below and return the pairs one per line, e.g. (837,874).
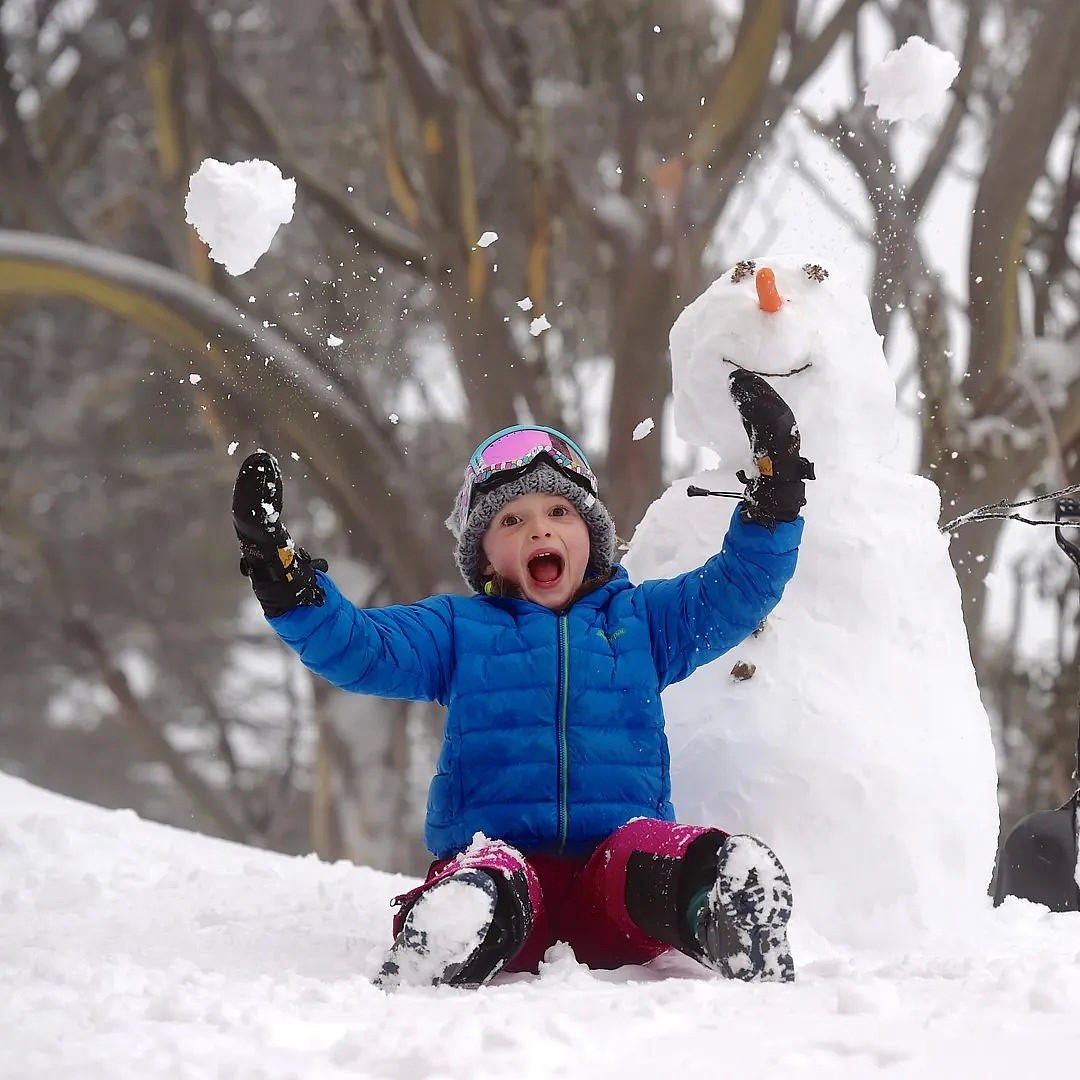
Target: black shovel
(1038,861)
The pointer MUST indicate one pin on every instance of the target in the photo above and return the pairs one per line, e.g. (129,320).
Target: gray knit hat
(542,477)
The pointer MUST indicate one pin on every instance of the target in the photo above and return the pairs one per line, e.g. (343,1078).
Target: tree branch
(363,474)
(1015,159)
(920,188)
(392,240)
(26,173)
(82,634)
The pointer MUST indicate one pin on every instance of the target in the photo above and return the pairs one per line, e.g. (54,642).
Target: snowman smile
(771,374)
(545,568)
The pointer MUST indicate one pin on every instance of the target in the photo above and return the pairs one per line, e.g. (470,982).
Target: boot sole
(752,899)
(439,938)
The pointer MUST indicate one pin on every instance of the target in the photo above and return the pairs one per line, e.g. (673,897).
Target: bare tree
(604,143)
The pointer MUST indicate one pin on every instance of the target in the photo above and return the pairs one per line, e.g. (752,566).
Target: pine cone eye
(744,269)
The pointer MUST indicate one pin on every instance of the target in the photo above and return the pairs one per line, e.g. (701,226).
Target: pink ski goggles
(509,453)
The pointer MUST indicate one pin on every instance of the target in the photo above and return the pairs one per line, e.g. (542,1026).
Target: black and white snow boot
(740,923)
(460,932)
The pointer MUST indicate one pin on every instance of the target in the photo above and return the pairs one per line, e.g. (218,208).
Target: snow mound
(911,82)
(131,951)
(238,209)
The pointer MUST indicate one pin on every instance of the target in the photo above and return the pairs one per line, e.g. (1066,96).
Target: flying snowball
(539,325)
(643,428)
(238,209)
(487,239)
(911,82)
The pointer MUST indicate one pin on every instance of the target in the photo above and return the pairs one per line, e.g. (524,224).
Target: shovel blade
(1038,860)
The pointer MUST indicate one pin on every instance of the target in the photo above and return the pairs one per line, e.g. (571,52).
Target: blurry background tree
(625,152)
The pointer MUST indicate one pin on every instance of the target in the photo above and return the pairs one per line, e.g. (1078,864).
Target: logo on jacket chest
(613,636)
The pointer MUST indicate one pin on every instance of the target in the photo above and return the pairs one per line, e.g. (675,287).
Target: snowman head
(810,335)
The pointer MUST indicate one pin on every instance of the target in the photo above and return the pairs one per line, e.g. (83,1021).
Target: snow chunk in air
(238,209)
(911,82)
(643,428)
(487,239)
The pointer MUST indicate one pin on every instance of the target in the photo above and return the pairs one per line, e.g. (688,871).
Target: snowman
(848,732)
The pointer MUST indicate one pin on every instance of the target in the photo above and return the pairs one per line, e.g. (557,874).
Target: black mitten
(282,574)
(777,492)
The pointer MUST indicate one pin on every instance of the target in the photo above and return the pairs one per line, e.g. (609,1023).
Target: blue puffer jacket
(554,733)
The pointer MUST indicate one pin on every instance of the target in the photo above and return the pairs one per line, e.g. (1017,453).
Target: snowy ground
(133,950)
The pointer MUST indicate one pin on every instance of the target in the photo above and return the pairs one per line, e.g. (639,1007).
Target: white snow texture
(859,749)
(131,951)
(238,209)
(911,82)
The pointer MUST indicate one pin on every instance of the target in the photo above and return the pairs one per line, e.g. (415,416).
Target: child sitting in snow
(549,815)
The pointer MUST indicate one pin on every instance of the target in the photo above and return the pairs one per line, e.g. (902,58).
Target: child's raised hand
(778,491)
(282,574)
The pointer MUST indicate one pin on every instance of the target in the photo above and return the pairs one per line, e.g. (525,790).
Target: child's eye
(510,519)
(560,511)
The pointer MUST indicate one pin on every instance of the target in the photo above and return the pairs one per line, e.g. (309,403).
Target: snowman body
(858,747)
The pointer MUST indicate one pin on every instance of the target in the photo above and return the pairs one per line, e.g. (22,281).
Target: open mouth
(545,569)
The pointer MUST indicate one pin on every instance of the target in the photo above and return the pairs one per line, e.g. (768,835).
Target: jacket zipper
(560,730)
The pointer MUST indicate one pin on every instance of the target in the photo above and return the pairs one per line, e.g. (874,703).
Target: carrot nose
(767,296)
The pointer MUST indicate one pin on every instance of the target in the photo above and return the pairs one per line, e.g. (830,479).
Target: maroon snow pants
(584,902)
